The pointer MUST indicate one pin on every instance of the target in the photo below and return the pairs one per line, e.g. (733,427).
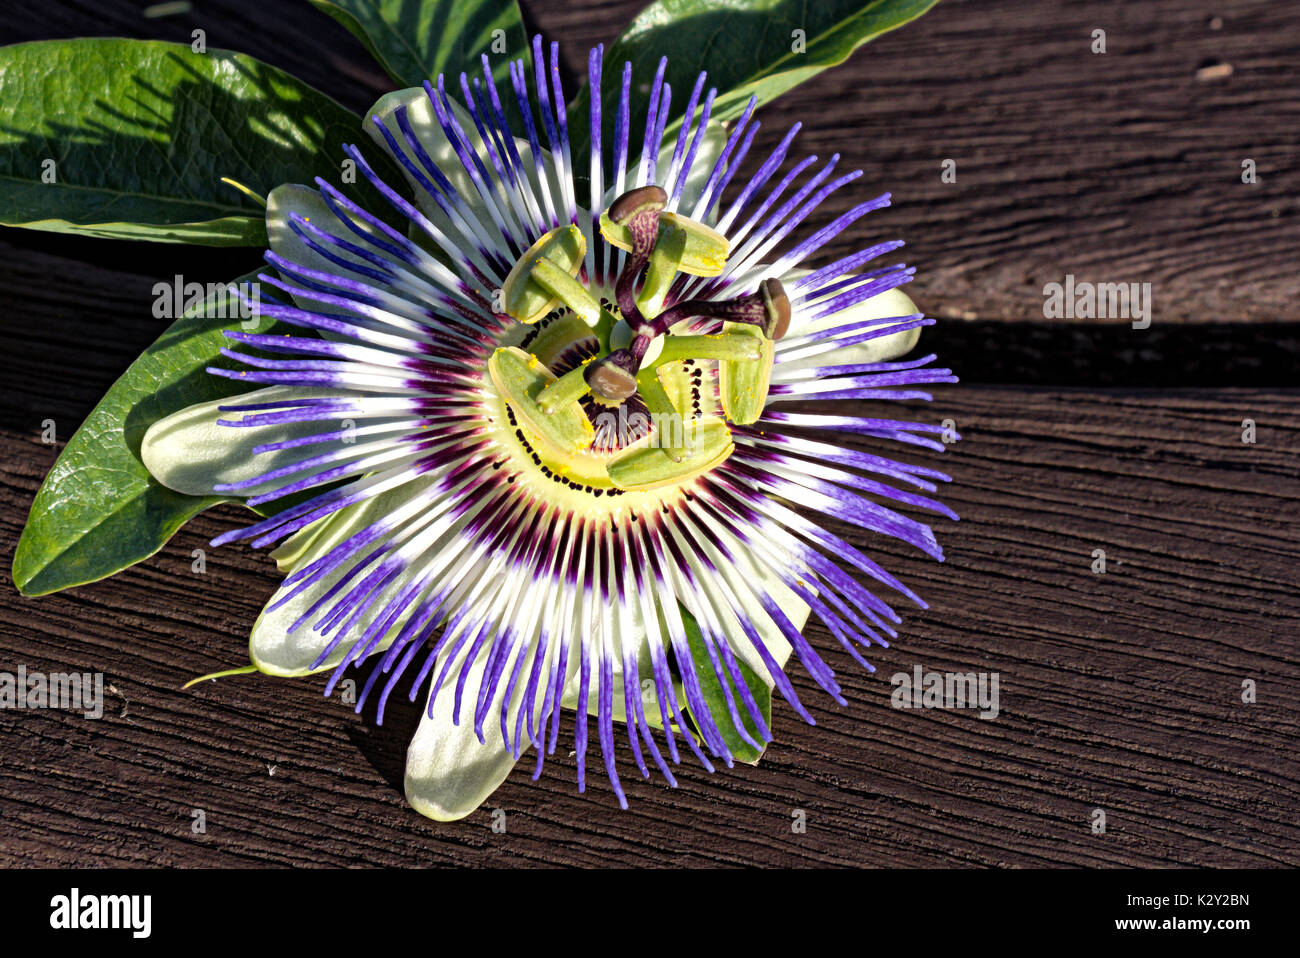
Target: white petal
(715,138)
(190,453)
(759,577)
(633,636)
(890,303)
(449,772)
(277,651)
(307,203)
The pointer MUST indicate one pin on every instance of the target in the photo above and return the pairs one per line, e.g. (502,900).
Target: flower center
(603,390)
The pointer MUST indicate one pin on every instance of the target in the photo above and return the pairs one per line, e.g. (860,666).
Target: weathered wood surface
(1116,167)
(1119,691)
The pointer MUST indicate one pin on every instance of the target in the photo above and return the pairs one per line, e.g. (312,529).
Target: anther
(520,379)
(543,277)
(705,444)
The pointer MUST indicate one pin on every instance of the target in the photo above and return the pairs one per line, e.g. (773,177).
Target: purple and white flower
(469,419)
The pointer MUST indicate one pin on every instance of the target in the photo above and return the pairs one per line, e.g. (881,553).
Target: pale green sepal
(431,136)
(190,453)
(271,646)
(715,139)
(310,205)
(890,303)
(275,650)
(449,772)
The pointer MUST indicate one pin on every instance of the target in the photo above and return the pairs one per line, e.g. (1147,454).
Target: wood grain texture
(1116,167)
(1119,691)
(1119,167)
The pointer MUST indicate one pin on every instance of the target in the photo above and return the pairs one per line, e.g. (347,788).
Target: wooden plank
(1119,691)
(1119,167)
(1116,167)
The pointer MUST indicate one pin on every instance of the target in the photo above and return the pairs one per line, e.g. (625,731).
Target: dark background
(1119,691)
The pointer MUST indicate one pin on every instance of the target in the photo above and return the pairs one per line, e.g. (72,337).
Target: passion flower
(534,452)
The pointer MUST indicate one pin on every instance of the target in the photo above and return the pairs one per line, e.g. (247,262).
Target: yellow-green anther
(523,297)
(725,345)
(520,379)
(567,290)
(705,251)
(743,383)
(665,264)
(615,235)
(570,387)
(705,445)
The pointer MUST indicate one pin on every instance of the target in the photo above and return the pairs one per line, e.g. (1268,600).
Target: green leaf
(99,510)
(141,133)
(415,40)
(711,689)
(749,47)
